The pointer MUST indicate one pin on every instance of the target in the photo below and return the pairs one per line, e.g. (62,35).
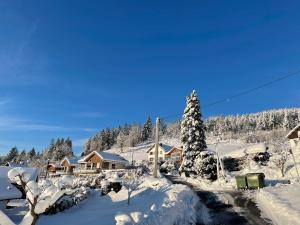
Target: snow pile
(177,207)
(281,203)
(153,201)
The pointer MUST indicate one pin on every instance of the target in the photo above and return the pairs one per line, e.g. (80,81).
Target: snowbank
(177,207)
(154,201)
(281,203)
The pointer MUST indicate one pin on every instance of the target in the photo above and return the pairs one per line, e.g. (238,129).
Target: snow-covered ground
(156,201)
(281,203)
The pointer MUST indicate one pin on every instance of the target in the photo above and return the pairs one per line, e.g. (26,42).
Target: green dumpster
(255,180)
(241,182)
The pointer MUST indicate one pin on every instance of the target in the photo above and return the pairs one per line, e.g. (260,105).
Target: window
(161,152)
(151,159)
(160,159)
(151,153)
(113,166)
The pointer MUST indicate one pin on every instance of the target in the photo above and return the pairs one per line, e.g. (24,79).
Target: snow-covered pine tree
(31,154)
(12,155)
(147,129)
(22,157)
(121,139)
(192,134)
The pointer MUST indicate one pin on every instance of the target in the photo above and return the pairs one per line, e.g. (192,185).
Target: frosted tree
(280,155)
(22,157)
(192,134)
(12,155)
(134,136)
(121,140)
(31,154)
(39,199)
(147,129)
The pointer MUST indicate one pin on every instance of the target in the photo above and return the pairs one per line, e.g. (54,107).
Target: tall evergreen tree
(192,134)
(22,156)
(32,154)
(12,155)
(68,142)
(147,129)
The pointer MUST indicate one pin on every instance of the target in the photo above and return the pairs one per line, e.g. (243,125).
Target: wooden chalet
(53,168)
(100,160)
(68,165)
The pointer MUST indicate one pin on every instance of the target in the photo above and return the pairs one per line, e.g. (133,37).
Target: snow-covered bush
(142,169)
(169,167)
(40,199)
(206,165)
(67,201)
(261,158)
(113,183)
(234,164)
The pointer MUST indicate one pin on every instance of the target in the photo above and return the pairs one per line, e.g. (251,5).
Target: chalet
(68,165)
(53,168)
(294,137)
(165,152)
(101,160)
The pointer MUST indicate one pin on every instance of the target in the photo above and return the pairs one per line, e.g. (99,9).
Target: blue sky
(71,68)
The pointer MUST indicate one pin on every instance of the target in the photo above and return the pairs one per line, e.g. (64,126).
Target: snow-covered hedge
(68,201)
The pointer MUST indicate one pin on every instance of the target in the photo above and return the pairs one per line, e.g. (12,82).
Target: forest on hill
(129,135)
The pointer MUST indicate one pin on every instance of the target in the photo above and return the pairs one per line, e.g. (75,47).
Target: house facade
(100,160)
(165,153)
(294,138)
(68,165)
(174,155)
(54,168)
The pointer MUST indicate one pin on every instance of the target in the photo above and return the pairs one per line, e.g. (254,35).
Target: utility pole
(156,147)
(218,161)
(222,167)
(47,169)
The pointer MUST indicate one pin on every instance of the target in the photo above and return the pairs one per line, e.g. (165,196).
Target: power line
(245,92)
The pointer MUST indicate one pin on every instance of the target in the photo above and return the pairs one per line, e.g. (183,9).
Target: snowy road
(227,208)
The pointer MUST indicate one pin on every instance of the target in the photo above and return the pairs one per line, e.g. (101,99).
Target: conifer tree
(147,129)
(192,134)
(32,153)
(12,155)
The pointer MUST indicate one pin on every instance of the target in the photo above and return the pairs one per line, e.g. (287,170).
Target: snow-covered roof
(232,152)
(166,148)
(14,164)
(293,133)
(72,162)
(54,165)
(106,156)
(257,148)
